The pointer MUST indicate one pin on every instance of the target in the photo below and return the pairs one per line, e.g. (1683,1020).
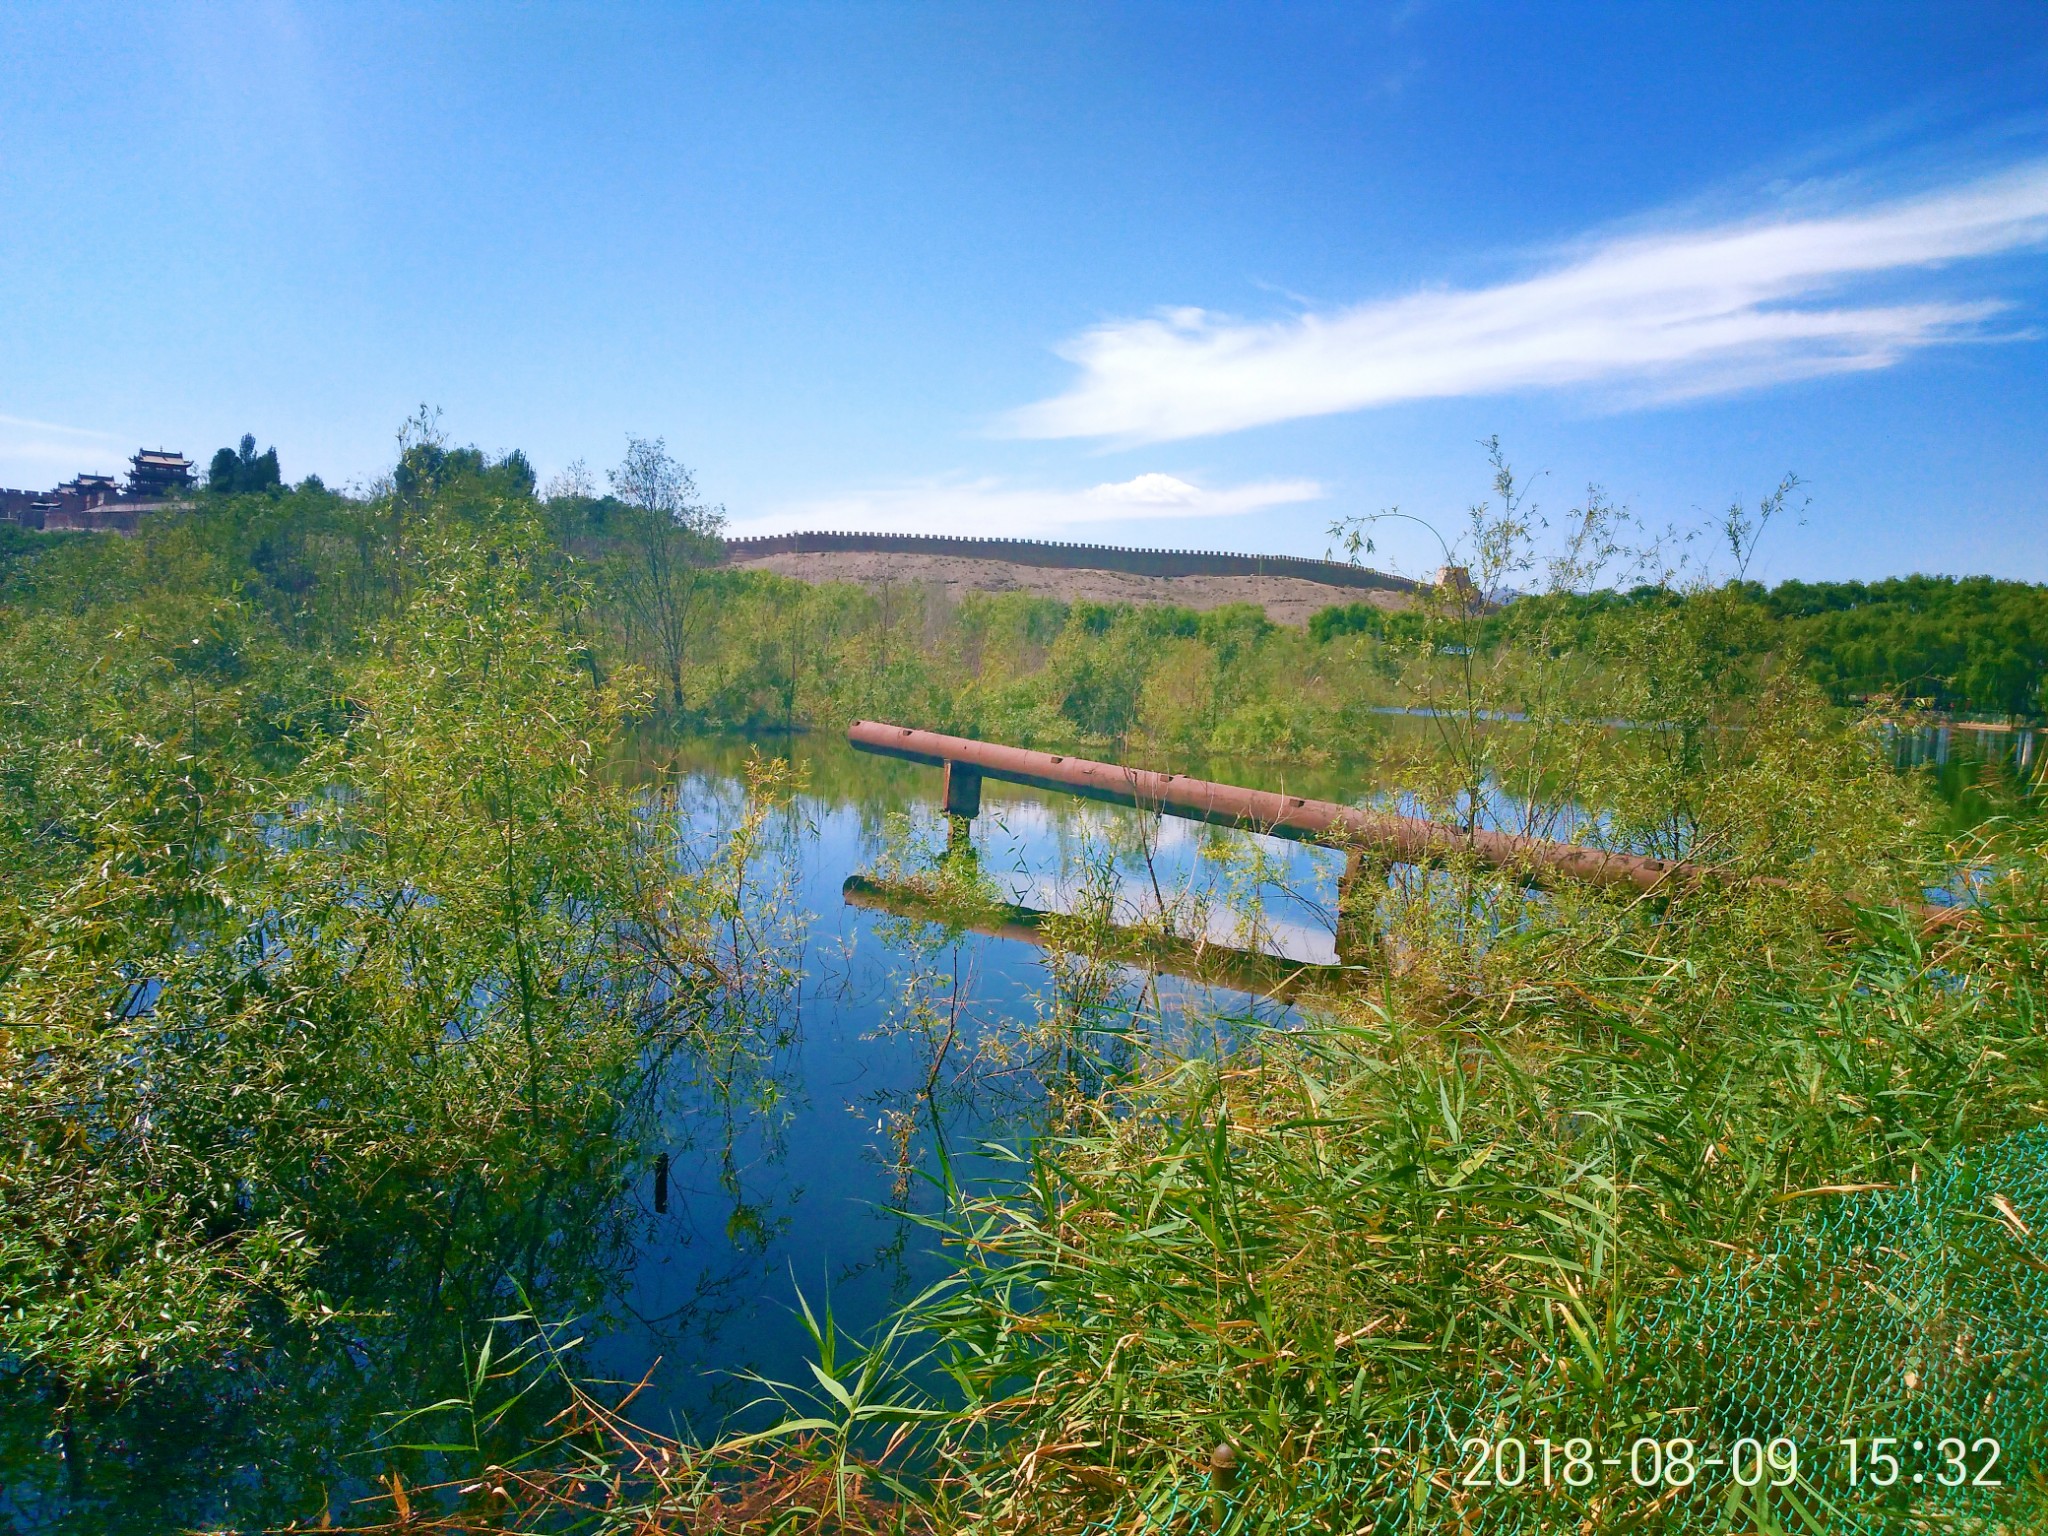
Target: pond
(807,1169)
(793,1153)
(803,1166)
(790,1151)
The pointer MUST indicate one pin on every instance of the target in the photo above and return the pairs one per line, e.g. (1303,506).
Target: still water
(799,1147)
(802,1164)
(804,1167)
(800,1141)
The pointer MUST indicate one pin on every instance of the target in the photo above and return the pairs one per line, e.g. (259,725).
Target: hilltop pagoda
(89,490)
(154,473)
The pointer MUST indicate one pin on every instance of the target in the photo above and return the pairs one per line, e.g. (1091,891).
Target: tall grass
(1631,1185)
(1302,1250)
(327,978)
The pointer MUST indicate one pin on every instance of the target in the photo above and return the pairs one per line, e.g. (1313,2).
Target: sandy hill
(1287,599)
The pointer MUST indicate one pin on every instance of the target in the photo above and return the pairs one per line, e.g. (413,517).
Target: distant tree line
(1962,645)
(636,558)
(1972,645)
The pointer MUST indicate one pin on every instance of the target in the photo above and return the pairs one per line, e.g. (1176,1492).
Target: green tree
(244,473)
(669,538)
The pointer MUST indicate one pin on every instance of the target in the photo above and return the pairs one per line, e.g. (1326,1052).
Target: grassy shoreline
(331,942)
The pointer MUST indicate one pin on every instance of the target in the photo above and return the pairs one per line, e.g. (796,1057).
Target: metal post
(1358,908)
(1399,839)
(963,790)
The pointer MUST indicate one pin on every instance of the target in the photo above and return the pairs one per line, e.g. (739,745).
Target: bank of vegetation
(335,957)
(1972,647)
(748,650)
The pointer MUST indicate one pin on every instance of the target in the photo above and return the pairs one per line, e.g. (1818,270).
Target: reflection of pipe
(1218,965)
(1402,839)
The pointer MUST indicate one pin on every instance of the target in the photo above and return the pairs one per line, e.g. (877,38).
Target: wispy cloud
(1667,314)
(28,449)
(988,509)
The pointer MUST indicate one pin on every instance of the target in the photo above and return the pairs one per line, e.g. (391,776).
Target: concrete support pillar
(1359,891)
(963,791)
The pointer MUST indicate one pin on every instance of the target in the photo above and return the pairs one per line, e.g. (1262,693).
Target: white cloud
(987,509)
(29,450)
(1670,314)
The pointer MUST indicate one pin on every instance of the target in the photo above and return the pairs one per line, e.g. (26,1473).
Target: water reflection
(918,1026)
(915,1027)
(1935,745)
(801,1131)
(1196,960)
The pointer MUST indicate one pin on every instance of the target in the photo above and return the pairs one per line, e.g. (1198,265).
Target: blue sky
(1176,274)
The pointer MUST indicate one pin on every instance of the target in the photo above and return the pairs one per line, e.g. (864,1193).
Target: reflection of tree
(413,1267)
(990,1067)
(718,1098)
(385,1082)
(261,1438)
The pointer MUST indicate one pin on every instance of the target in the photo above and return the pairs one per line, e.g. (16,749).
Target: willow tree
(670,538)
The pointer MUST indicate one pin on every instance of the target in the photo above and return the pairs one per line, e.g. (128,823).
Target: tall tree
(672,537)
(240,474)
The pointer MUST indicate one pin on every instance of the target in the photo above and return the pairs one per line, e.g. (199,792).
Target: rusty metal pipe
(1403,839)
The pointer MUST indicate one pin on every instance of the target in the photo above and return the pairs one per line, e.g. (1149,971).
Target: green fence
(1879,1366)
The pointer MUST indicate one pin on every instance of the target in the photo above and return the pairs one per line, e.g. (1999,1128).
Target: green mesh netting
(1917,1315)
